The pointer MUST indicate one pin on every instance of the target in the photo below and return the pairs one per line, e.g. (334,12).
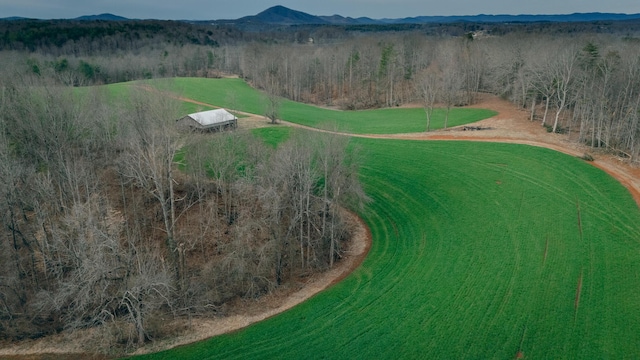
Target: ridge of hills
(280,15)
(100,17)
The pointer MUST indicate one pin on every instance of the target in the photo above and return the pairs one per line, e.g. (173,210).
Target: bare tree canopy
(103,228)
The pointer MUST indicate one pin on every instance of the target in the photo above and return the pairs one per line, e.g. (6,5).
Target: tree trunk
(533,108)
(446,116)
(546,111)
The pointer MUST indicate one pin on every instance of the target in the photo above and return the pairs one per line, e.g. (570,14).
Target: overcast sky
(232,9)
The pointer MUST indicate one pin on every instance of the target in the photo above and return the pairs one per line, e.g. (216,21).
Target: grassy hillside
(479,251)
(273,136)
(236,94)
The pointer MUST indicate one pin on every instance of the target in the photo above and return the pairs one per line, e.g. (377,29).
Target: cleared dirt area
(511,125)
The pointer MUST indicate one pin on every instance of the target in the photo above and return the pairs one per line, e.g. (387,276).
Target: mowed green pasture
(238,95)
(480,250)
(273,135)
(122,93)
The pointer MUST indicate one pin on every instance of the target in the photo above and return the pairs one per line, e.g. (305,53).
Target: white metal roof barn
(211,120)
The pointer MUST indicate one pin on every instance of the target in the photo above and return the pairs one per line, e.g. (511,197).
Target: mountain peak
(282,15)
(277,9)
(106,16)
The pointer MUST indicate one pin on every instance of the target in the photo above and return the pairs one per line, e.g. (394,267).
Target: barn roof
(212,117)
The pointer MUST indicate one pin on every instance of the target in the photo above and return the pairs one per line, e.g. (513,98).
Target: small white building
(211,120)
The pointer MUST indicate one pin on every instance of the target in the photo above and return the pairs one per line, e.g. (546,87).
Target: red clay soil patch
(358,248)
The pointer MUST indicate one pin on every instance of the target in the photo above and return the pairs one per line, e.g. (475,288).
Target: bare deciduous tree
(272,101)
(428,88)
(563,70)
(149,162)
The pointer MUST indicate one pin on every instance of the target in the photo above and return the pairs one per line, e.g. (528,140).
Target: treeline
(586,85)
(59,37)
(80,53)
(166,61)
(113,219)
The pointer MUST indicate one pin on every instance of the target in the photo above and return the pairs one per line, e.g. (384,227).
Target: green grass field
(479,250)
(236,94)
(273,136)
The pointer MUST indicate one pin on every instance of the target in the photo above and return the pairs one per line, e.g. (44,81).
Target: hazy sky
(232,9)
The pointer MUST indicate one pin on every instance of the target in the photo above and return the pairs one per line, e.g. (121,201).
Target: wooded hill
(114,218)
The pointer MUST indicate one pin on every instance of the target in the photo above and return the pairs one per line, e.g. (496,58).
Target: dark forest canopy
(95,36)
(34,35)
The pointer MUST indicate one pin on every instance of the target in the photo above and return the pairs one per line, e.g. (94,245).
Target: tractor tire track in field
(576,303)
(546,250)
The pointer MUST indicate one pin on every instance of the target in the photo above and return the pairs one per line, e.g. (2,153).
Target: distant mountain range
(280,15)
(103,17)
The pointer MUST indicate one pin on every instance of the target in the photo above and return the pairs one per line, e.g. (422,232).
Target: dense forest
(100,226)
